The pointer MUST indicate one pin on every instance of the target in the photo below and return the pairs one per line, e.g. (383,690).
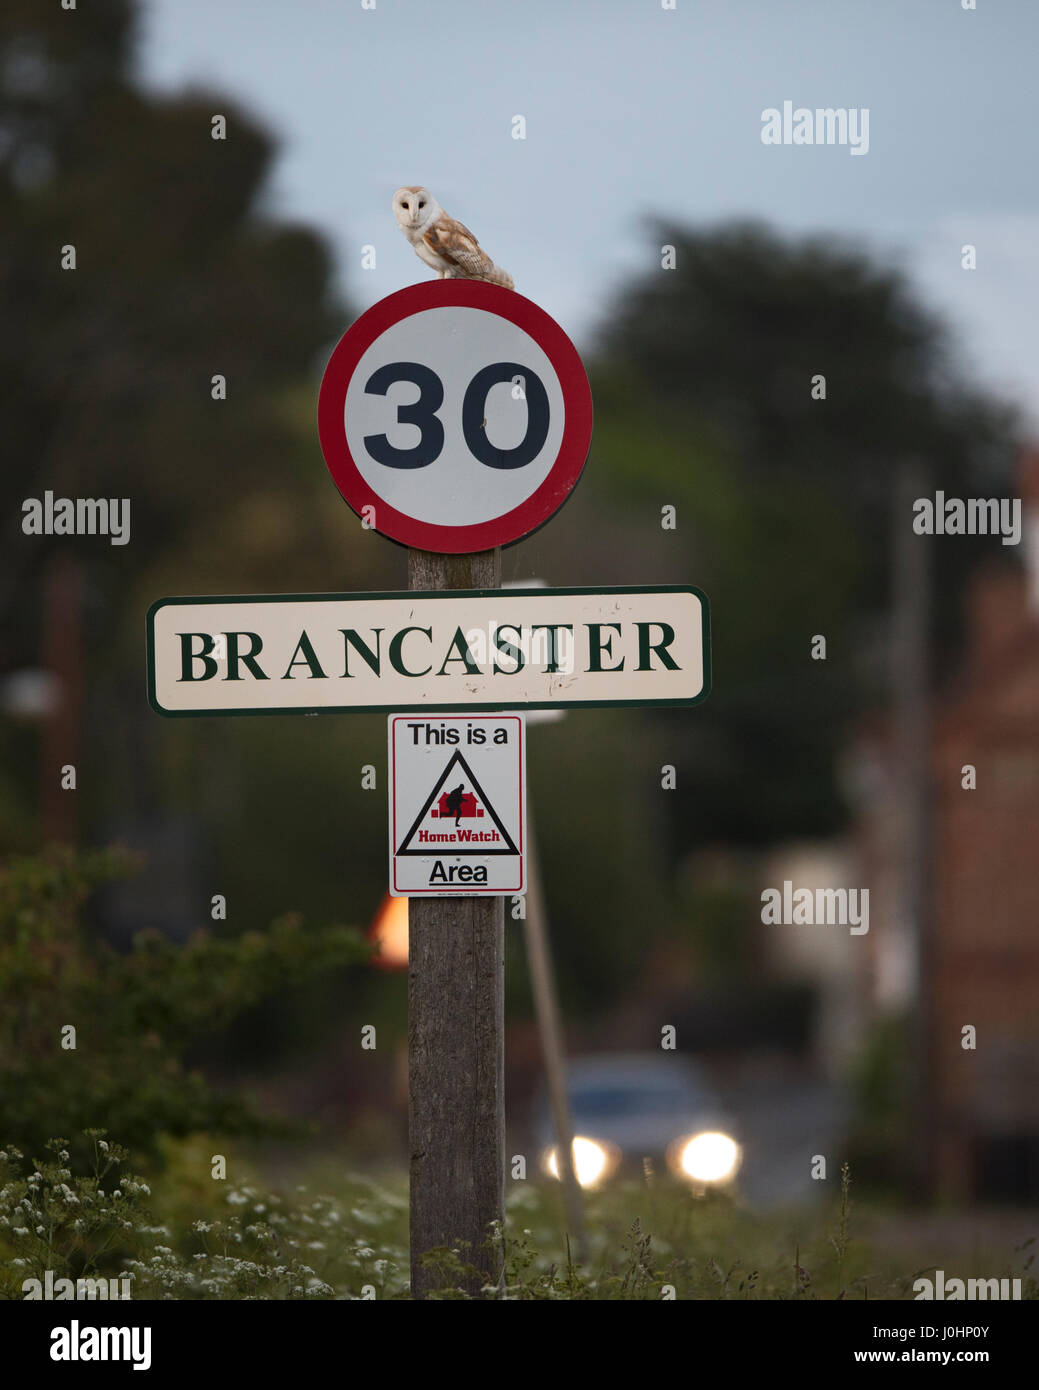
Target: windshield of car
(610,1102)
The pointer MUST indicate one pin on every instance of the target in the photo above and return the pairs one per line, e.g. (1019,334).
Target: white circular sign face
(455,416)
(456,489)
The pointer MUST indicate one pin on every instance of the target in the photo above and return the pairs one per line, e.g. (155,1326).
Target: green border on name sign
(441,707)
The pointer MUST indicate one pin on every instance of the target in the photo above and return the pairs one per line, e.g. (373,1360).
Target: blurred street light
(30,694)
(389,932)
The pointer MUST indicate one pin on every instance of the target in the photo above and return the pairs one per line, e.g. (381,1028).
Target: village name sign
(521,648)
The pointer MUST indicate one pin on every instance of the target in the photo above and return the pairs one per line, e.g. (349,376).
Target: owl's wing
(457,244)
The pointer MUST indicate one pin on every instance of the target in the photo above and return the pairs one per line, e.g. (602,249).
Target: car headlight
(708,1157)
(593,1160)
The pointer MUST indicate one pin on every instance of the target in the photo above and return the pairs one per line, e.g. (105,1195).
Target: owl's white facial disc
(413,207)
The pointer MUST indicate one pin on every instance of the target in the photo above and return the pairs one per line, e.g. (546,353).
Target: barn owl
(440,241)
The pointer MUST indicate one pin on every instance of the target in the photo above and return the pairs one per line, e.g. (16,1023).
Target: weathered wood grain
(456,1054)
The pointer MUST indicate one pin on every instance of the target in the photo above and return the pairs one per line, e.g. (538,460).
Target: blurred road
(782,1123)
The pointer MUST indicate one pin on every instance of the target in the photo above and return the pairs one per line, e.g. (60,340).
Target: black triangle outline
(446,851)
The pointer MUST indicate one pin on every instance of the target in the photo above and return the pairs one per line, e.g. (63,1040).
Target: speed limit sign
(455,416)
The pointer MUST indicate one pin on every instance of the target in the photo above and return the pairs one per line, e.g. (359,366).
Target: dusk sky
(631,111)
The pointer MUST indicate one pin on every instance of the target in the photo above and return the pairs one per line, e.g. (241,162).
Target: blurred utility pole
(62,656)
(550,1032)
(910,674)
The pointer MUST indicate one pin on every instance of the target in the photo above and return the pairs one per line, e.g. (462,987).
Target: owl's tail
(494,275)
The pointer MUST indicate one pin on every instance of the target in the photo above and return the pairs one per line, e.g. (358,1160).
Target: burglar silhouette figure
(454,802)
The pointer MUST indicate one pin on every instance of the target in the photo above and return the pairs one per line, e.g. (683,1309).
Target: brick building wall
(984,919)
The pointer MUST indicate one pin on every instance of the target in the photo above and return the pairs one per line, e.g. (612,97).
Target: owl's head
(414,207)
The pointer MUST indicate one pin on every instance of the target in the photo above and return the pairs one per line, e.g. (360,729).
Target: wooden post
(456,1038)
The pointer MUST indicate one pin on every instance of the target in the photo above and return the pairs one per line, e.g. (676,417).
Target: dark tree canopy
(105,370)
(704,400)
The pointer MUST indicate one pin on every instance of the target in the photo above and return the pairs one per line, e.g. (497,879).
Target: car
(629,1110)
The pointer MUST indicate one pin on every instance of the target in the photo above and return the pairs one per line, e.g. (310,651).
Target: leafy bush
(135,1015)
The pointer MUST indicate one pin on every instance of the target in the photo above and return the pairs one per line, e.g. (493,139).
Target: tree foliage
(704,395)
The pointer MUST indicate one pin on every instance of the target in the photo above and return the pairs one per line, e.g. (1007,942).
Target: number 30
(423,414)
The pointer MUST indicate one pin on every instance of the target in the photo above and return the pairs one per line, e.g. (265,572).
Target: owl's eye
(423,203)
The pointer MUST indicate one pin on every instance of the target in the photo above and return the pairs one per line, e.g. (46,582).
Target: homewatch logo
(440,820)
(829,125)
(76,1343)
(829,907)
(950,1290)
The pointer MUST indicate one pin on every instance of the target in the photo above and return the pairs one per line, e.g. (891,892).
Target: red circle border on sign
(577,425)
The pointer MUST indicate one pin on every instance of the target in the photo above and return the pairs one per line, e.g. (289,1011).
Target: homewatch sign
(457,804)
(487,649)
